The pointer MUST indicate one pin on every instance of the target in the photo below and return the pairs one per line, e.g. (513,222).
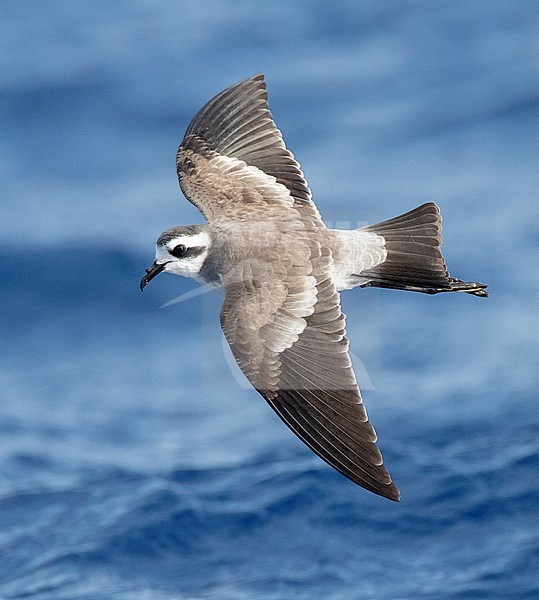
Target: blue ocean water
(135,461)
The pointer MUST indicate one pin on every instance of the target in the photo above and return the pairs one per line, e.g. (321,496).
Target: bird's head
(179,250)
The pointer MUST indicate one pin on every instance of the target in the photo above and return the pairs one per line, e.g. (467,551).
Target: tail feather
(414,260)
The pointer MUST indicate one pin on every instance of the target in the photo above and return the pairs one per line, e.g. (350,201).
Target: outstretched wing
(287,333)
(281,313)
(233,160)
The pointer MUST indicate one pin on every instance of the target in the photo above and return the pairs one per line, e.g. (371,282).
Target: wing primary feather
(324,427)
(387,490)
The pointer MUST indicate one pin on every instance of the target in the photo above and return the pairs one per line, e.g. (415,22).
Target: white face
(184,254)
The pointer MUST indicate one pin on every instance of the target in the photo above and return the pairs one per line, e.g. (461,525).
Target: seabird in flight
(281,269)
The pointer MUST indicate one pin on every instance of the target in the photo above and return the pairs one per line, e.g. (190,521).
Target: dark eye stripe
(181,251)
(194,251)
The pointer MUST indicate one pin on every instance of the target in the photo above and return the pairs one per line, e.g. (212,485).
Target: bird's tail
(414,260)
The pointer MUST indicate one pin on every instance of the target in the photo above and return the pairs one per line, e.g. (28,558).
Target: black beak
(151,272)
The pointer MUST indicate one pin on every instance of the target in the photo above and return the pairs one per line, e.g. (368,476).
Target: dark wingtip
(392,493)
(388,490)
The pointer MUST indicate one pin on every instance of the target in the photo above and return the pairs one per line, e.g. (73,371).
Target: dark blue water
(135,462)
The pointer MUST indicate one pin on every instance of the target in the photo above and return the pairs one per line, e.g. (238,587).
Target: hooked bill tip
(151,272)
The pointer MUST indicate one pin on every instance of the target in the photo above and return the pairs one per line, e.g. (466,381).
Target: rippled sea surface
(135,462)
